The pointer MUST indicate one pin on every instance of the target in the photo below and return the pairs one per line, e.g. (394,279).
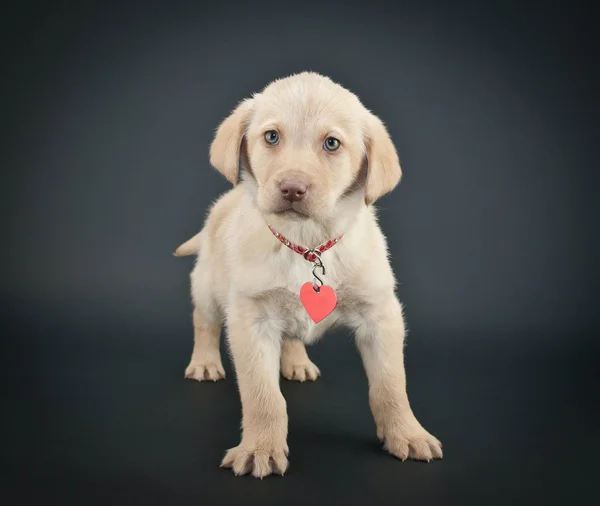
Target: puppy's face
(305,147)
(306,141)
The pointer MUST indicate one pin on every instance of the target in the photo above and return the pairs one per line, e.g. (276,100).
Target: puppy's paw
(302,371)
(259,462)
(412,443)
(205,371)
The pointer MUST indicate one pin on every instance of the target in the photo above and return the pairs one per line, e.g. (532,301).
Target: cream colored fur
(244,277)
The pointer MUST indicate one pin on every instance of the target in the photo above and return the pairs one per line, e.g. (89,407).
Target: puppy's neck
(311,232)
(306,232)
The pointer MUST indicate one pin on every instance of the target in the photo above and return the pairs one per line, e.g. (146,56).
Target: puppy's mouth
(285,208)
(291,211)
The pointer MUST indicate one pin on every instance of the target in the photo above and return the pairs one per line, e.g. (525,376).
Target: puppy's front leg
(380,339)
(256,348)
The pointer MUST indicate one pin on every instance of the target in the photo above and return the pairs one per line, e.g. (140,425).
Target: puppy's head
(306,142)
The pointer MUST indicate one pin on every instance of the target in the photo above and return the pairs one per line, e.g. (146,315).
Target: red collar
(306,252)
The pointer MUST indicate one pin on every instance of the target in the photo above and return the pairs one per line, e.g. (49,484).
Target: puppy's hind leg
(295,364)
(205,364)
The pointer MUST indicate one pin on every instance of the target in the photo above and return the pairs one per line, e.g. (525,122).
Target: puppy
(293,250)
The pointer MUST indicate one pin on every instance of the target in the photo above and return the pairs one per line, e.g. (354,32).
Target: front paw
(261,462)
(411,442)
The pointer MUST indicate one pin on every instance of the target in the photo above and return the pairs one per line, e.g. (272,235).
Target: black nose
(293,190)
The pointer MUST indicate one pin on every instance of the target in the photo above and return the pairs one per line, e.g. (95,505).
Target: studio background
(108,113)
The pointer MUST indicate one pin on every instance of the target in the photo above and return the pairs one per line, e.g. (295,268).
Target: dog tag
(318,304)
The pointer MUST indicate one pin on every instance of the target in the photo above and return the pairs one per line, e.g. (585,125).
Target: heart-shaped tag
(318,304)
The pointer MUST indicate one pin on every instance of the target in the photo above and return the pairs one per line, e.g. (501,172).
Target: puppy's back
(216,216)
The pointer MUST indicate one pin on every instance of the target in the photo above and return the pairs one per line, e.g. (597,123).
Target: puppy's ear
(225,148)
(384,172)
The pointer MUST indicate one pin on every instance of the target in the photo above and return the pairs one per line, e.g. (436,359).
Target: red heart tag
(318,304)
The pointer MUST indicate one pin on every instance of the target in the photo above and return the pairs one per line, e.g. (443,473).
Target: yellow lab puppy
(294,249)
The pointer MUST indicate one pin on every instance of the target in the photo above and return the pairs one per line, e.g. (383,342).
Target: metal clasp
(317,264)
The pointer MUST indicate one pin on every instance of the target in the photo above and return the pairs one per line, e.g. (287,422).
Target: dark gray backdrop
(108,115)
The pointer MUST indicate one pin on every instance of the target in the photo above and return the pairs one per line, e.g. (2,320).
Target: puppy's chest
(293,318)
(284,297)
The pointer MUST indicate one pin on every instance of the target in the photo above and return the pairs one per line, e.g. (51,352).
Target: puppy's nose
(293,190)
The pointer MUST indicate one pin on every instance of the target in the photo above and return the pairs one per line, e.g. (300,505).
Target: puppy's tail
(191,246)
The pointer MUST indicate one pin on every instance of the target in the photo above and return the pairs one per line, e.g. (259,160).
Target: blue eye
(272,137)
(331,144)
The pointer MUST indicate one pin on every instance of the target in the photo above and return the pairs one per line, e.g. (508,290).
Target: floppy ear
(383,172)
(225,148)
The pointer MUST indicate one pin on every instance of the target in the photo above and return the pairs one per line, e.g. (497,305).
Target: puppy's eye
(331,144)
(272,137)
